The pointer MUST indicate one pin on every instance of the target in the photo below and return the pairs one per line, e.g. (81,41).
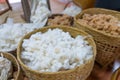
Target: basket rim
(91,28)
(116,74)
(59,72)
(8,51)
(16,62)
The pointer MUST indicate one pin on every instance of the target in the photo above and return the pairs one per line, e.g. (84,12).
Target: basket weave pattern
(108,46)
(79,73)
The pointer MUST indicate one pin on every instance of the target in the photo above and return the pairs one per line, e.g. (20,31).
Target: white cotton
(41,13)
(5,68)
(10,35)
(72,10)
(56,65)
(55,50)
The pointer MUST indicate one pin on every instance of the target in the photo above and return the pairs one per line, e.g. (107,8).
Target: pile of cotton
(72,10)
(5,68)
(10,35)
(55,50)
(39,11)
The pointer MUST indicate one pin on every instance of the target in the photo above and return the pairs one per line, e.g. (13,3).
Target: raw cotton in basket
(5,68)
(55,50)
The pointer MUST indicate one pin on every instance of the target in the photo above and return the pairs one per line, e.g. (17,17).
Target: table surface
(99,74)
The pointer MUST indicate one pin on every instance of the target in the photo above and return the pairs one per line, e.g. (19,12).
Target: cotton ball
(56,66)
(66,64)
(73,65)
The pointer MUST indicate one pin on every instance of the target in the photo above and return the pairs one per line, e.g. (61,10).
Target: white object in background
(116,65)
(10,33)
(72,10)
(33,6)
(65,1)
(39,12)
(14,1)
(9,21)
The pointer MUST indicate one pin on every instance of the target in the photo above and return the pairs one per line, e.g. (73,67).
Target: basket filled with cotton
(57,53)
(9,67)
(104,26)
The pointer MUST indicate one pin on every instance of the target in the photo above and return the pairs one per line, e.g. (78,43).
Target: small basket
(108,46)
(78,73)
(15,64)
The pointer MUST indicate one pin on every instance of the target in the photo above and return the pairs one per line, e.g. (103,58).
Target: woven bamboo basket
(15,64)
(78,73)
(108,46)
(116,75)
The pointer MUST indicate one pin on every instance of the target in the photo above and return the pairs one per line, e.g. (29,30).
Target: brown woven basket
(116,75)
(108,46)
(79,73)
(15,65)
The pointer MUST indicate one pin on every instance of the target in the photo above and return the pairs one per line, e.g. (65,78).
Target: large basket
(15,64)
(79,73)
(108,46)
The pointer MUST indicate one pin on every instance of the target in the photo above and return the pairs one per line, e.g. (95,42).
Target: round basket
(15,64)
(108,46)
(78,73)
